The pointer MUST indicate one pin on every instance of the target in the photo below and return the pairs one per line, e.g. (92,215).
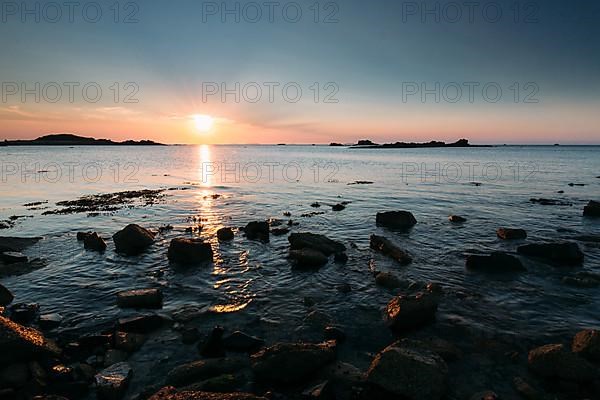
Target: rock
(213,345)
(495,262)
(280,231)
(140,323)
(133,239)
(338,207)
(15,375)
(114,356)
(190,335)
(411,373)
(94,242)
(13,257)
(82,235)
(340,258)
(550,202)
(170,393)
(587,344)
(315,205)
(190,251)
(24,313)
(406,312)
(140,298)
(257,230)
(511,233)
(128,341)
(592,209)
(334,333)
(389,249)
(225,234)
(308,258)
(322,390)
(111,383)
(525,390)
(576,184)
(487,395)
(18,343)
(316,242)
(580,282)
(6,297)
(457,219)
(291,362)
(196,371)
(396,219)
(389,280)
(554,361)
(557,253)
(222,383)
(50,321)
(239,341)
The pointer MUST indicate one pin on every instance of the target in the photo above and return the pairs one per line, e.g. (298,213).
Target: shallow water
(251,285)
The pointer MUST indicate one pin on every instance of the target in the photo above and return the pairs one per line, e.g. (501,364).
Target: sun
(203,122)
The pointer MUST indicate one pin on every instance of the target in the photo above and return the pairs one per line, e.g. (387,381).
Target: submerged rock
(291,362)
(592,209)
(338,207)
(280,231)
(19,343)
(308,258)
(389,280)
(133,239)
(170,393)
(213,345)
(587,344)
(94,242)
(189,251)
(511,233)
(558,253)
(409,372)
(550,202)
(495,262)
(457,219)
(140,298)
(225,234)
(386,247)
(6,297)
(396,219)
(196,371)
(13,257)
(111,383)
(406,312)
(257,230)
(239,341)
(321,243)
(554,361)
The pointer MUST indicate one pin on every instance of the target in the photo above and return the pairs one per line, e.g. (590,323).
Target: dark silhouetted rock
(48,322)
(128,341)
(396,219)
(13,257)
(140,298)
(341,258)
(409,372)
(406,312)
(389,280)
(140,323)
(334,333)
(321,243)
(280,231)
(526,390)
(213,346)
(592,209)
(19,343)
(24,313)
(495,262)
(189,251)
(386,247)
(94,242)
(557,253)
(196,371)
(82,235)
(554,361)
(457,219)
(257,230)
(308,258)
(133,240)
(111,383)
(587,344)
(6,297)
(338,207)
(487,395)
(511,233)
(289,363)
(241,342)
(170,393)
(225,234)
(550,202)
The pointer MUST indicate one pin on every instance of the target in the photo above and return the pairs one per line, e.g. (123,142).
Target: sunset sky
(368,61)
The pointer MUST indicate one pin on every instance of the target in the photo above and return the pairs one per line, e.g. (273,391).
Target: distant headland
(66,139)
(367,144)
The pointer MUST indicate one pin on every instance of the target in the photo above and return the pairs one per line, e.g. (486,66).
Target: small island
(66,139)
(367,144)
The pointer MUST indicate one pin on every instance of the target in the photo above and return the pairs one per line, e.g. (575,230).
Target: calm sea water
(251,285)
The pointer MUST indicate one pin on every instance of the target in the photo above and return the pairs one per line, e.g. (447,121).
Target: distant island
(367,144)
(66,139)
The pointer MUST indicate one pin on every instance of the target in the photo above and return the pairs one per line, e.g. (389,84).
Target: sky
(194,71)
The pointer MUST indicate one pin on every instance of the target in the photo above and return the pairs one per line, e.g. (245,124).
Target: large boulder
(555,361)
(587,344)
(112,382)
(190,251)
(225,234)
(170,393)
(291,362)
(321,243)
(410,372)
(386,247)
(140,298)
(565,253)
(6,297)
(406,312)
(19,343)
(494,262)
(94,242)
(592,209)
(257,230)
(511,233)
(396,219)
(132,240)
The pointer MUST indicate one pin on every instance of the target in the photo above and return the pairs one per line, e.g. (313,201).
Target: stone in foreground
(396,219)
(565,253)
(140,298)
(190,251)
(257,230)
(111,383)
(289,363)
(406,312)
(409,372)
(495,262)
(554,361)
(511,233)
(19,343)
(132,240)
(6,297)
(321,243)
(587,344)
(170,393)
(386,247)
(457,219)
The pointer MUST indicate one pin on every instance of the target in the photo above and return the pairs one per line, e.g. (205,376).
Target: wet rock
(321,390)
(554,361)
(411,373)
(389,280)
(550,202)
(140,298)
(338,207)
(406,312)
(457,219)
(114,356)
(190,335)
(18,343)
(213,345)
(133,239)
(576,184)
(94,242)
(257,230)
(386,247)
(225,234)
(445,349)
(291,362)
(315,205)
(511,233)
(13,257)
(51,321)
(525,389)
(494,262)
(592,209)
(321,243)
(308,258)
(6,297)
(140,323)
(222,383)
(170,393)
(239,341)
(334,333)
(128,341)
(587,344)
(279,231)
(24,313)
(487,395)
(396,219)
(557,253)
(82,235)
(189,251)
(340,258)
(196,371)
(111,383)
